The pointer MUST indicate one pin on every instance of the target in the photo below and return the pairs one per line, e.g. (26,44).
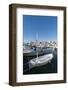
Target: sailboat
(40,60)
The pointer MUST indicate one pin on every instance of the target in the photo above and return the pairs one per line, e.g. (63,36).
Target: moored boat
(41,60)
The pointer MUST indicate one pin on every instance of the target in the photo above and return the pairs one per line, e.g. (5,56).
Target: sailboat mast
(37,44)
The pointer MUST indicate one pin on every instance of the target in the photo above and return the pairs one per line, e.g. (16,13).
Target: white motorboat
(27,51)
(41,60)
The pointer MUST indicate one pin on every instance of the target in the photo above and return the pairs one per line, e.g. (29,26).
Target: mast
(37,44)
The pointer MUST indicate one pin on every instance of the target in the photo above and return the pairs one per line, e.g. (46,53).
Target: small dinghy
(41,60)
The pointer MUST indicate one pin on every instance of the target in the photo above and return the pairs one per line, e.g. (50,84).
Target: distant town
(41,44)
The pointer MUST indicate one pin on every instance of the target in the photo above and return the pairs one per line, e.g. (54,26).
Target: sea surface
(47,68)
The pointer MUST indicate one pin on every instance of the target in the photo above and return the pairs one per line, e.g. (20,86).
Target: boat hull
(41,60)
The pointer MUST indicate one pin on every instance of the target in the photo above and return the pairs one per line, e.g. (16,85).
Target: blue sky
(45,26)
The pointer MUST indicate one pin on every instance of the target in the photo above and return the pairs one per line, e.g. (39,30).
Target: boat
(41,60)
(27,51)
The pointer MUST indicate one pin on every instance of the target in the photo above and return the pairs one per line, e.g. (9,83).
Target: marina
(40,51)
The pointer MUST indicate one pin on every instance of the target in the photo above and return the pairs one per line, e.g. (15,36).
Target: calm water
(48,68)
